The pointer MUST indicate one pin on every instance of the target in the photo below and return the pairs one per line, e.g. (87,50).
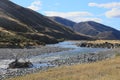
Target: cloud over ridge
(114,8)
(106,5)
(77,16)
(36,5)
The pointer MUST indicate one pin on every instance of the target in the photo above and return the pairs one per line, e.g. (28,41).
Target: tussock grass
(103,41)
(102,70)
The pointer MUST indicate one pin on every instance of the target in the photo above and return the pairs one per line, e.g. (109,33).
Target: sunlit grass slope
(102,70)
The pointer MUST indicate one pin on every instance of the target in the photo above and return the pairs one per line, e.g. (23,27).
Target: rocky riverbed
(8,73)
(82,58)
(75,55)
(25,53)
(9,55)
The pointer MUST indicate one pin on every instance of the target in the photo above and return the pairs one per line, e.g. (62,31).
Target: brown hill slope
(97,30)
(32,25)
(66,22)
(90,28)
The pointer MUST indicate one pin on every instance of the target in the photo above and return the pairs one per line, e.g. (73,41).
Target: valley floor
(102,70)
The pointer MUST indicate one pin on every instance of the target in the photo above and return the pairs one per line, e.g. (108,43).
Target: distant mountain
(17,21)
(97,30)
(66,22)
(90,28)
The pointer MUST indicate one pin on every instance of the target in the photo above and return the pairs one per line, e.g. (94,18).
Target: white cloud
(79,19)
(114,13)
(67,14)
(36,5)
(114,9)
(74,16)
(106,5)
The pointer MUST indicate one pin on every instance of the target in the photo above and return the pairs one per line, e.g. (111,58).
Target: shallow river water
(43,59)
(74,51)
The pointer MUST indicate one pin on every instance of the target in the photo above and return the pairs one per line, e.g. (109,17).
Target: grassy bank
(103,41)
(102,70)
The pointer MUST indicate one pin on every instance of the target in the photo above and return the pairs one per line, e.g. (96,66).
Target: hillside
(33,26)
(66,22)
(90,28)
(97,30)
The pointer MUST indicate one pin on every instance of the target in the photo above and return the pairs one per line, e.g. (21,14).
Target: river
(44,59)
(74,51)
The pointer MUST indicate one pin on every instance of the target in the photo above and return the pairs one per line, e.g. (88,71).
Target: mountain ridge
(33,25)
(93,29)
(63,21)
(98,30)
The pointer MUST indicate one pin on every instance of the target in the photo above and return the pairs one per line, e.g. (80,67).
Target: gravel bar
(25,53)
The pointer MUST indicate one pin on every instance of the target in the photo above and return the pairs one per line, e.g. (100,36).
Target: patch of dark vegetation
(99,45)
(8,41)
(18,45)
(17,64)
(16,41)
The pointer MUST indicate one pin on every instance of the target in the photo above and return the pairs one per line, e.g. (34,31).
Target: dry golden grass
(3,31)
(102,70)
(98,41)
(103,41)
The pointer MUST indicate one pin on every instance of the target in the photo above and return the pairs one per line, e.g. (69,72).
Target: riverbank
(7,53)
(83,58)
(68,54)
(110,44)
(102,70)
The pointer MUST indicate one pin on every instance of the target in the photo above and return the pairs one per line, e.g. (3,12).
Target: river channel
(43,60)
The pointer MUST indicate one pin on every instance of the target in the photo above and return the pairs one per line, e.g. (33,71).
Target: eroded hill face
(32,25)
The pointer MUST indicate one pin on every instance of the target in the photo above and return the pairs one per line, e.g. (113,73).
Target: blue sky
(102,11)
